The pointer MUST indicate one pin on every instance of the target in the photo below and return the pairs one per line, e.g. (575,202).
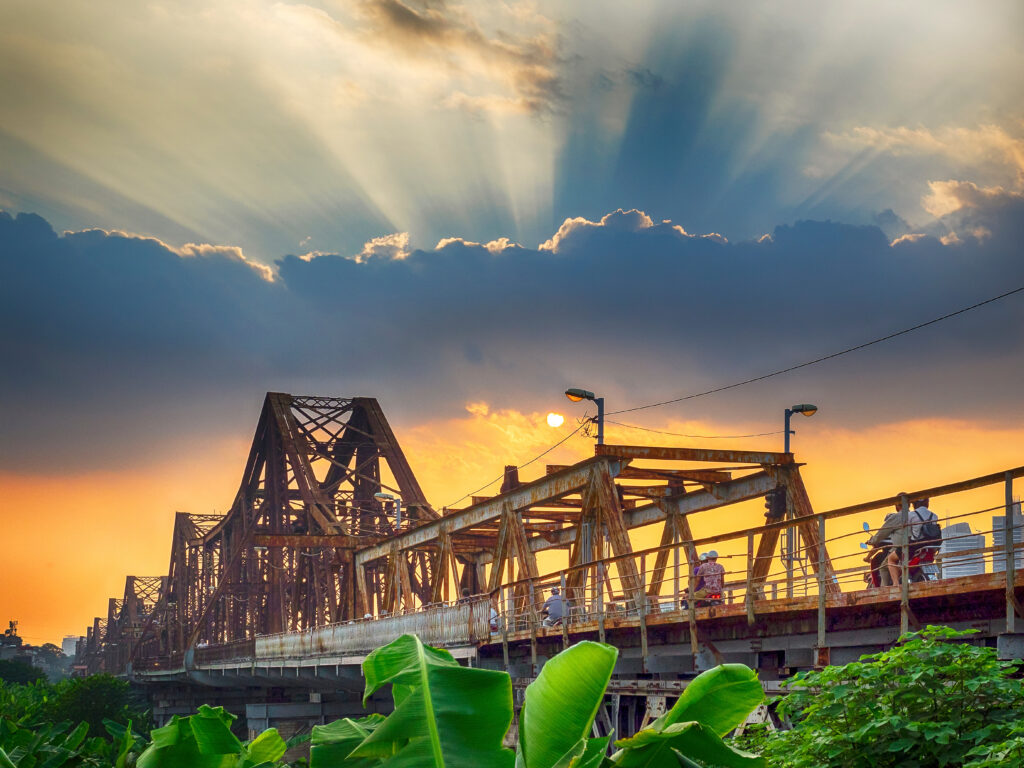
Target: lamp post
(576,395)
(790,544)
(806,409)
(398,506)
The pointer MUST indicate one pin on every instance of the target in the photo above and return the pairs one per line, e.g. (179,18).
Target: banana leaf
(202,740)
(331,744)
(720,699)
(560,706)
(265,750)
(712,704)
(652,748)
(446,716)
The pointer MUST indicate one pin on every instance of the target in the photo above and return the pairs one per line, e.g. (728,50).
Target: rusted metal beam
(939,490)
(662,473)
(338,541)
(694,475)
(741,489)
(692,454)
(539,491)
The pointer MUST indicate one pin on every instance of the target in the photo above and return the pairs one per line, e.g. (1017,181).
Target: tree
(92,700)
(14,671)
(931,700)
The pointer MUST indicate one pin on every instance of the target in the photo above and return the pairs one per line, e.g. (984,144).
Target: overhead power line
(752,380)
(822,359)
(680,434)
(584,422)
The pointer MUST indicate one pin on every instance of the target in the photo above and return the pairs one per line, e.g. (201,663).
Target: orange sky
(89,531)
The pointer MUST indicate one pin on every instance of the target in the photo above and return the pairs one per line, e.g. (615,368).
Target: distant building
(68,645)
(999,539)
(957,537)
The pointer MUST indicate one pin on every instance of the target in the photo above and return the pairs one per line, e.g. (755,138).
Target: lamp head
(385,496)
(576,394)
(805,408)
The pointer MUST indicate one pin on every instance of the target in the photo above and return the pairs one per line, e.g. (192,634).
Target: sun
(555,419)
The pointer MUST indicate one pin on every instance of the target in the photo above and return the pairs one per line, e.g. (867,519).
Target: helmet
(703,556)
(712,554)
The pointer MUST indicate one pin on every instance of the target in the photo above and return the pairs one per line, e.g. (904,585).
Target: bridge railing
(660,579)
(464,623)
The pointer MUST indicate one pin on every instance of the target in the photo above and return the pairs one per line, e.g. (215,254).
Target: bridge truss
(308,543)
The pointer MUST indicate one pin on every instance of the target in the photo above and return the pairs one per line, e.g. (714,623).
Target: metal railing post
(600,601)
(643,615)
(905,565)
(531,617)
(748,595)
(675,572)
(691,610)
(566,610)
(821,582)
(504,628)
(1011,559)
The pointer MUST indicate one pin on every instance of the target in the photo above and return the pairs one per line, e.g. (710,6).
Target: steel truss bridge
(271,607)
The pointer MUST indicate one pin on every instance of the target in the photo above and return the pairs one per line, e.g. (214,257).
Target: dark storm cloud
(114,344)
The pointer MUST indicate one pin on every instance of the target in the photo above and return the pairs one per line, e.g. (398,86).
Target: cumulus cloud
(618,221)
(107,332)
(494,246)
(393,247)
(948,197)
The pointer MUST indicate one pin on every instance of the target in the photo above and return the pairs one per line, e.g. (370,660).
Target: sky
(462,209)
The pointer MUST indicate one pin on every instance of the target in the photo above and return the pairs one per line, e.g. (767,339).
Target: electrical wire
(822,359)
(752,380)
(680,434)
(583,422)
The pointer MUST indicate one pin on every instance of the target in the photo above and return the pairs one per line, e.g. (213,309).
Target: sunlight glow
(555,419)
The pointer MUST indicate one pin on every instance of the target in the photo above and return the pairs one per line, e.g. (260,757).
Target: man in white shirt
(918,517)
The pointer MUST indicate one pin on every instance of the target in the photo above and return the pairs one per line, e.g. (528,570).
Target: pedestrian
(554,608)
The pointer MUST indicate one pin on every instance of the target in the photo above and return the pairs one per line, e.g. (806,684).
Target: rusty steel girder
(281,558)
(308,541)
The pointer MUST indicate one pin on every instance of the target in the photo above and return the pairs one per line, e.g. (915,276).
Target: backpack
(930,530)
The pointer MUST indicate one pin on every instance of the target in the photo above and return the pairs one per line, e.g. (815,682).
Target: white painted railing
(461,624)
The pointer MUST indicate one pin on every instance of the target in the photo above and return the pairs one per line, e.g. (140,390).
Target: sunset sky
(462,209)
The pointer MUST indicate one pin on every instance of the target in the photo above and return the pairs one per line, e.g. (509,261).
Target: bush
(92,700)
(925,702)
(20,672)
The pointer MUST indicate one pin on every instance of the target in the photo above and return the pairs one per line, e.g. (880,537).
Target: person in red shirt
(713,575)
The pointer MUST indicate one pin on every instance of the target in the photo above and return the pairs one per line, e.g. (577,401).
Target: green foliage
(714,703)
(20,672)
(556,718)
(93,700)
(445,715)
(205,740)
(925,702)
(20,701)
(57,745)
(1003,754)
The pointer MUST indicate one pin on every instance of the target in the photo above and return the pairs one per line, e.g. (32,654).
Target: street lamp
(790,544)
(398,506)
(576,395)
(806,409)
